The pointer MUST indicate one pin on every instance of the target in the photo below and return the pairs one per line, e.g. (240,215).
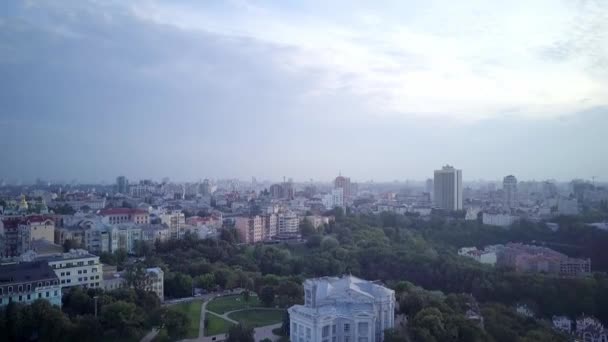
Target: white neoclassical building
(346,309)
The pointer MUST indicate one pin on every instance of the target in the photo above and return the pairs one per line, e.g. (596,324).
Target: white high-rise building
(447,187)
(342,309)
(509,188)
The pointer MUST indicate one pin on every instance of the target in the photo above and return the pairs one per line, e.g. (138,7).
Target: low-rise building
(499,220)
(75,268)
(123,215)
(249,229)
(25,282)
(342,309)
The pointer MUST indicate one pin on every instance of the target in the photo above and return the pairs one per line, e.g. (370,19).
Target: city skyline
(235,89)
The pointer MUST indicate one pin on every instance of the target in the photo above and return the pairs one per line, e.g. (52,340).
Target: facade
(509,188)
(447,189)
(75,268)
(175,220)
(346,309)
(27,282)
(20,232)
(154,232)
(288,224)
(333,199)
(249,229)
(123,215)
(122,185)
(271,226)
(343,183)
(529,258)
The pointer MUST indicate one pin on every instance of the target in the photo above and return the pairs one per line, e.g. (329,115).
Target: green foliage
(267,295)
(240,333)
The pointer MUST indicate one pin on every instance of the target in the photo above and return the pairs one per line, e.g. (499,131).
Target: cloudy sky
(380,90)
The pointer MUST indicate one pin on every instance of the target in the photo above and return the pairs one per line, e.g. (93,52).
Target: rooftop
(26,272)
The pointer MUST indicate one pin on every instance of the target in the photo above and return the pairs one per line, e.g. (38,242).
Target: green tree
(240,333)
(176,323)
(267,295)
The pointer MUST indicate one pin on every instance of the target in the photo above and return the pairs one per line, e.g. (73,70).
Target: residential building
(343,183)
(249,229)
(271,226)
(333,199)
(346,309)
(25,282)
(288,224)
(122,185)
(447,189)
(155,232)
(529,258)
(509,188)
(175,220)
(75,268)
(122,215)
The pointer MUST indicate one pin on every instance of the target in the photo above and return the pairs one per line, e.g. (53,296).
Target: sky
(382,90)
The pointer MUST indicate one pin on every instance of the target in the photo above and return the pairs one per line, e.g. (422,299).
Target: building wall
(85,271)
(447,186)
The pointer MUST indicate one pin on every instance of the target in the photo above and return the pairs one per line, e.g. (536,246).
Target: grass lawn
(216,325)
(192,310)
(257,318)
(222,305)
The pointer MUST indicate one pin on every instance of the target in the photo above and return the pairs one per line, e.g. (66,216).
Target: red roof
(121,211)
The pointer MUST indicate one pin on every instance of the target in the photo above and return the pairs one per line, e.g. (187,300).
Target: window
(81,263)
(79,279)
(91,262)
(39,284)
(307,332)
(363,329)
(85,279)
(333,329)
(69,281)
(1,291)
(20,288)
(1,300)
(10,289)
(346,327)
(62,274)
(346,339)
(79,271)
(40,295)
(63,281)
(294,327)
(325,331)
(47,294)
(68,273)
(28,287)
(48,283)
(85,271)
(29,297)
(94,269)
(55,294)
(20,298)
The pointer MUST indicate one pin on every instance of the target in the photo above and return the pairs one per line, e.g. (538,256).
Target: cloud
(432,65)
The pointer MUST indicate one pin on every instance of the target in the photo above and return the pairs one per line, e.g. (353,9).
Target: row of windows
(71,264)
(22,298)
(363,330)
(28,287)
